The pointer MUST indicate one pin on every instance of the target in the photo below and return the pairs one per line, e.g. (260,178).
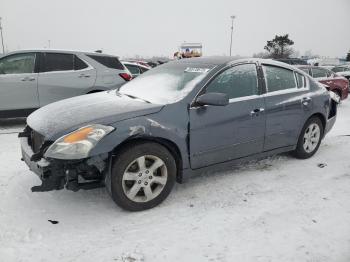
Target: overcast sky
(158,27)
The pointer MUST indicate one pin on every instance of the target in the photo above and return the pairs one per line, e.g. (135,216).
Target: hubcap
(144,178)
(311,137)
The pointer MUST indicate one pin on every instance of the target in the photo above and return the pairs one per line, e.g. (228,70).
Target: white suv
(31,79)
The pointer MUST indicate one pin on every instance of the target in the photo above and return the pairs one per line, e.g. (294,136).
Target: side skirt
(188,173)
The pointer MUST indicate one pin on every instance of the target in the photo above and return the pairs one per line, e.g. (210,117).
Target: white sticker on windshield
(196,70)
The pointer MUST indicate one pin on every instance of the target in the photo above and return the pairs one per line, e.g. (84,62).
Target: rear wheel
(142,176)
(310,138)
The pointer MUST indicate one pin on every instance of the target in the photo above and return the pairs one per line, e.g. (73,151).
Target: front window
(238,81)
(165,84)
(18,64)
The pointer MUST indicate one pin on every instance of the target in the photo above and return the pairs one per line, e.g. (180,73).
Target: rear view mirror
(213,99)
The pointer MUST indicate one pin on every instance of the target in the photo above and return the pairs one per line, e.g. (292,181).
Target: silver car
(34,78)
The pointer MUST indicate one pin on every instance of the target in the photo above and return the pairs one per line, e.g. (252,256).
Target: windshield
(165,84)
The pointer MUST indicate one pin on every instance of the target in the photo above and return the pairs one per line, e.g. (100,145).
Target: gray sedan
(34,78)
(175,121)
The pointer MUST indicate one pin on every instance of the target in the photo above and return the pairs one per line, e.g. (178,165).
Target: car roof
(60,51)
(222,60)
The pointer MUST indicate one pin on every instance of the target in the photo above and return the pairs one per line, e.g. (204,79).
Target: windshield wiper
(135,97)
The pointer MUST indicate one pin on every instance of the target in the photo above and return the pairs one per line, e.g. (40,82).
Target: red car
(332,81)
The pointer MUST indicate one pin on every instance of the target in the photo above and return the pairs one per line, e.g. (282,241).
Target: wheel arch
(168,144)
(321,117)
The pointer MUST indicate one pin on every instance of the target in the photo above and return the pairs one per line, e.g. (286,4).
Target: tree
(348,56)
(279,47)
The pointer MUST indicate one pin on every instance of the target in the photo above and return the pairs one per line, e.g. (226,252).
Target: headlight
(79,143)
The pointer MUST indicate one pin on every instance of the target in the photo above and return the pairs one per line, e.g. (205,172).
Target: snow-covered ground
(277,209)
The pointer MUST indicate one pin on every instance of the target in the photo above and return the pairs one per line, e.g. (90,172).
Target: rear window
(108,61)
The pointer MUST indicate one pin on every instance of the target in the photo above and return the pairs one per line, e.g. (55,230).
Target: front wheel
(310,138)
(142,176)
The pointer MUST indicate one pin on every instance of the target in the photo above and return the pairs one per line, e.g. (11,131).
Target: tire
(308,145)
(139,169)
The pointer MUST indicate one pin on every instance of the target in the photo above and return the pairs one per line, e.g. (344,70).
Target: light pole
(232,17)
(2,39)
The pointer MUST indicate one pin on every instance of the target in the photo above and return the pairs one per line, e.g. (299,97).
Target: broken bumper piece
(56,175)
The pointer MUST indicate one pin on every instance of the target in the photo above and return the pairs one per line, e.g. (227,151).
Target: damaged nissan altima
(175,121)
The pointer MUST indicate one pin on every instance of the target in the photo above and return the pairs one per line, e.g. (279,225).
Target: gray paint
(205,136)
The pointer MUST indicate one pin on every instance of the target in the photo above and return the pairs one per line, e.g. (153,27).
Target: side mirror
(213,99)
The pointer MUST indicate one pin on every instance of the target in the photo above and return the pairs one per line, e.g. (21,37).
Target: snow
(276,209)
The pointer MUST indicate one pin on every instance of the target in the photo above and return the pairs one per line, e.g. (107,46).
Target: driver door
(18,82)
(223,133)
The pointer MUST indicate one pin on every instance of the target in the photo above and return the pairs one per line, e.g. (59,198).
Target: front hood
(59,118)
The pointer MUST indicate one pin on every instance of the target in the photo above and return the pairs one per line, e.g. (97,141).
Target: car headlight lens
(78,144)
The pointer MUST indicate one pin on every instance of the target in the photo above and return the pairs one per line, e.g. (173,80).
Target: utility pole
(2,39)
(49,41)
(232,17)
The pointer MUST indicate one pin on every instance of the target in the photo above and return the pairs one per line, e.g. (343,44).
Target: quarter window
(301,81)
(278,78)
(238,81)
(18,64)
(58,62)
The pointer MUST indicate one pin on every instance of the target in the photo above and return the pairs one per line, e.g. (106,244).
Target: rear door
(18,82)
(287,99)
(62,76)
(222,133)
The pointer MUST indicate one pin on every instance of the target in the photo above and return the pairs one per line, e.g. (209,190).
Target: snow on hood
(59,118)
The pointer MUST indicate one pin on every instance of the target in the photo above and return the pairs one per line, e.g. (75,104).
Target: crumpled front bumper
(43,168)
(57,174)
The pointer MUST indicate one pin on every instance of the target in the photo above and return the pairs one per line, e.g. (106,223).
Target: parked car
(292,61)
(135,69)
(343,70)
(34,78)
(332,81)
(174,121)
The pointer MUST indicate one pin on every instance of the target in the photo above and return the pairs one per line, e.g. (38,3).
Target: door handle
(84,75)
(27,78)
(256,111)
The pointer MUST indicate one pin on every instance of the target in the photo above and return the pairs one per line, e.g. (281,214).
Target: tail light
(125,76)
